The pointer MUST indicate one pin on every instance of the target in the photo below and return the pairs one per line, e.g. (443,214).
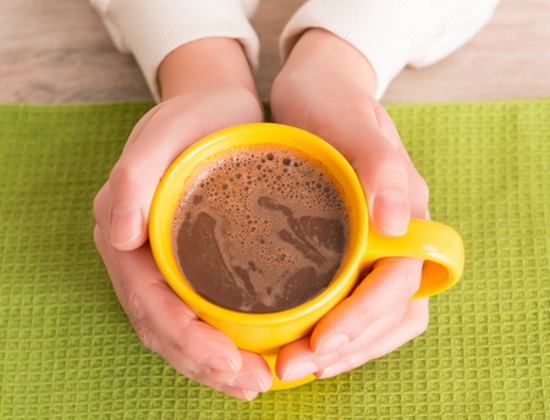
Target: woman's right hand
(197,101)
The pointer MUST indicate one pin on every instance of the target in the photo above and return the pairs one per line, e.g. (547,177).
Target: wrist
(319,52)
(208,64)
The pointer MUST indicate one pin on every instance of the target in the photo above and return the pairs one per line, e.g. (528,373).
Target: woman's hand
(206,86)
(327,87)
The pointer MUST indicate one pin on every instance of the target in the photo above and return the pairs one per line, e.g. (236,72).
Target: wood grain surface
(58,51)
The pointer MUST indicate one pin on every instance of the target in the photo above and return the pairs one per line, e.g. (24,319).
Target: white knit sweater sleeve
(393,33)
(150,29)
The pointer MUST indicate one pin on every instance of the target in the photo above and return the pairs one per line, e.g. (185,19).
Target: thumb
(383,172)
(386,187)
(150,149)
(158,138)
(126,218)
(156,141)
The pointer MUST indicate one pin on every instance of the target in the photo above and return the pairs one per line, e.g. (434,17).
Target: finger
(165,325)
(152,146)
(367,348)
(378,305)
(162,321)
(127,220)
(167,130)
(417,188)
(385,182)
(379,301)
(101,212)
(254,377)
(380,161)
(296,361)
(379,158)
(419,194)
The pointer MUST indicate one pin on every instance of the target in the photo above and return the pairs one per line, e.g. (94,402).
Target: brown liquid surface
(261,230)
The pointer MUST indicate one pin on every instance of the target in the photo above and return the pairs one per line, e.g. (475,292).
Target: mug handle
(438,244)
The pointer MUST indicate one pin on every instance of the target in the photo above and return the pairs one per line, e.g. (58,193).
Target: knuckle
(356,360)
(391,169)
(201,375)
(146,336)
(124,175)
(338,356)
(421,321)
(181,338)
(179,344)
(412,277)
(423,187)
(405,275)
(99,203)
(412,283)
(135,306)
(422,192)
(98,240)
(422,326)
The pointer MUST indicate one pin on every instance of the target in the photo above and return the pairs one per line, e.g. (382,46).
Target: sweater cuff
(151,29)
(382,31)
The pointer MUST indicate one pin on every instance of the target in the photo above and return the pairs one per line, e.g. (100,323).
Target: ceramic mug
(264,333)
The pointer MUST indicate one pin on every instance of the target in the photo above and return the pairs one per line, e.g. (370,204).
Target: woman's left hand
(327,87)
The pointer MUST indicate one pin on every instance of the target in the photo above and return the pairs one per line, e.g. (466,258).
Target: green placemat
(68,351)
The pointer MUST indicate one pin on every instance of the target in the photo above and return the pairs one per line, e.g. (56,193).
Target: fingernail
(391,212)
(298,370)
(221,363)
(249,382)
(126,225)
(249,395)
(332,344)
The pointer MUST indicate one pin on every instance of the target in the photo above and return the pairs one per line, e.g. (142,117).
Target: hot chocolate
(260,229)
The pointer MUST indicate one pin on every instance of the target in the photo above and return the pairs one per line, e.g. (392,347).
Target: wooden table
(57,51)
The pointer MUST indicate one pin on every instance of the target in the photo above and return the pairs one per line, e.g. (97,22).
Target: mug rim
(247,135)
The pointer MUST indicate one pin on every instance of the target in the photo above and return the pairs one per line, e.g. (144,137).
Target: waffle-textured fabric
(68,351)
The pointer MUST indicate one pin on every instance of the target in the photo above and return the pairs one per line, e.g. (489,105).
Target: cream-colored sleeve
(150,29)
(393,33)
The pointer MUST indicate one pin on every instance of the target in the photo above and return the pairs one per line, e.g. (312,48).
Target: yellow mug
(264,333)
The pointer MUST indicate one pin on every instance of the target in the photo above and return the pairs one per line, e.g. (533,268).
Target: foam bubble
(268,241)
